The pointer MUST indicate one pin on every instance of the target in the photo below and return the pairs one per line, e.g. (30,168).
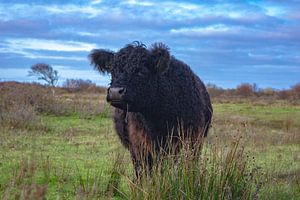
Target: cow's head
(135,71)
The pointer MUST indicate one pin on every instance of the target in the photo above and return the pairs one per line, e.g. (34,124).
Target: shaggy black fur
(163,96)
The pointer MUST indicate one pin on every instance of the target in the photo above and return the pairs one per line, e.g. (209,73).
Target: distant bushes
(17,102)
(17,115)
(295,91)
(22,95)
(246,91)
(22,103)
(80,85)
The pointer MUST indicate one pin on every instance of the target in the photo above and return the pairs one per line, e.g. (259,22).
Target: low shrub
(18,116)
(20,102)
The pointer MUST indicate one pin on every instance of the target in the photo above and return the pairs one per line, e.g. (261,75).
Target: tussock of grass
(214,172)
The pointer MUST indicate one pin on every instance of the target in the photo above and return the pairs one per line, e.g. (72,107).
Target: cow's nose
(115,93)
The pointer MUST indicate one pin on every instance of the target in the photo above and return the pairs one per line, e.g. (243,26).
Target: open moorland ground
(71,151)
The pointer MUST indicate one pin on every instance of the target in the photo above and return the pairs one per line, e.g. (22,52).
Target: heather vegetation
(251,92)
(63,146)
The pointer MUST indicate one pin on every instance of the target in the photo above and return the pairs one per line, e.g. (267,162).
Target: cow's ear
(101,60)
(160,57)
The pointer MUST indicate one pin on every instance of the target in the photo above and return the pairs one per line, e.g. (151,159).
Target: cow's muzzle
(115,94)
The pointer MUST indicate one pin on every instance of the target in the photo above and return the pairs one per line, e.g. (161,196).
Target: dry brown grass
(21,103)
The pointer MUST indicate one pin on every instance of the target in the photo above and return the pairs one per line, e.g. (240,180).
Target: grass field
(80,157)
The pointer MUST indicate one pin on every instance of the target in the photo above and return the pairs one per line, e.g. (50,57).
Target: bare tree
(44,72)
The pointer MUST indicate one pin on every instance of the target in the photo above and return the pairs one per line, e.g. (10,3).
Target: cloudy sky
(225,42)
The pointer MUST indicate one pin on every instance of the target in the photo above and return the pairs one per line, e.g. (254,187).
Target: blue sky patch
(224,42)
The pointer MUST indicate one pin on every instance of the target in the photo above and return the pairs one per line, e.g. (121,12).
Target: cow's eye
(140,73)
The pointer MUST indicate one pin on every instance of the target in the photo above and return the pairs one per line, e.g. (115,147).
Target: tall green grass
(64,147)
(214,172)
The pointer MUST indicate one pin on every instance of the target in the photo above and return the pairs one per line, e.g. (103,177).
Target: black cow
(156,96)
